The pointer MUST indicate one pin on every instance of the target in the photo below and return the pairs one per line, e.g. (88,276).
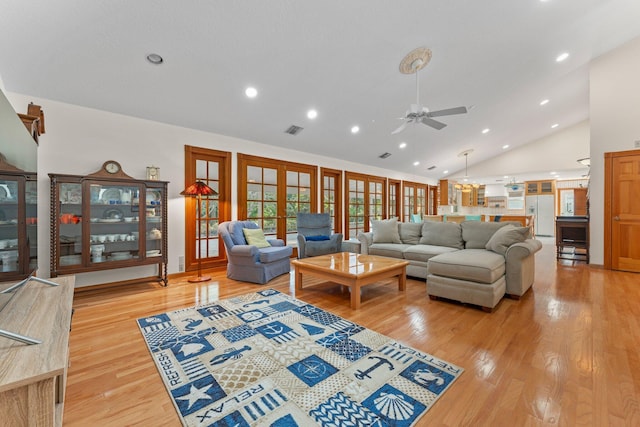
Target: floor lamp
(199,189)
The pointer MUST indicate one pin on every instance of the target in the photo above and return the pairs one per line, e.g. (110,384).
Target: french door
(395,200)
(414,200)
(365,200)
(271,193)
(201,237)
(331,190)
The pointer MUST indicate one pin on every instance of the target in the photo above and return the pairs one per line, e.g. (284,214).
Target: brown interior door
(623,213)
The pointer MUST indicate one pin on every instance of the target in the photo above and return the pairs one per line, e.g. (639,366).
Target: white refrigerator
(543,207)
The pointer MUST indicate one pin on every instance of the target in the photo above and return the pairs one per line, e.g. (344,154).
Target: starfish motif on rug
(196,394)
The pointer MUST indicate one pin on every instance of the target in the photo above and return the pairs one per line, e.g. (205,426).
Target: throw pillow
(447,234)
(410,232)
(255,237)
(385,231)
(316,238)
(505,237)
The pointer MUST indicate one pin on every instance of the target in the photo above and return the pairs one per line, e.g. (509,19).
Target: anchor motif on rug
(381,361)
(232,353)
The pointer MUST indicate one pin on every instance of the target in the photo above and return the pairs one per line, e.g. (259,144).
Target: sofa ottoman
(473,276)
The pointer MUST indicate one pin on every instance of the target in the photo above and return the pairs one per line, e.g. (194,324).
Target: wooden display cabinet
(107,220)
(18,222)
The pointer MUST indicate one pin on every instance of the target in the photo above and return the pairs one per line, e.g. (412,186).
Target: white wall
(16,144)
(615,124)
(79,140)
(567,145)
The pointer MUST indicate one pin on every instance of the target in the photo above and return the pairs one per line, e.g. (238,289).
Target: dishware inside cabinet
(18,219)
(114,224)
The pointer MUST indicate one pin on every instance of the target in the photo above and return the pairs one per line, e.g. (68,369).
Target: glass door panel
(154,227)
(114,221)
(262,198)
(9,242)
(31,215)
(70,223)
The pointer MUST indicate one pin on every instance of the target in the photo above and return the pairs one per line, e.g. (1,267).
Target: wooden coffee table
(353,270)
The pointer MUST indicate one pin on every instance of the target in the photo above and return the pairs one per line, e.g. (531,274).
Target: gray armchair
(314,235)
(249,263)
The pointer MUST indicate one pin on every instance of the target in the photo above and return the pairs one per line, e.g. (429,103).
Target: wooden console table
(32,377)
(573,232)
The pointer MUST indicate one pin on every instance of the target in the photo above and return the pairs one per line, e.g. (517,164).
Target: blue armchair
(314,235)
(249,263)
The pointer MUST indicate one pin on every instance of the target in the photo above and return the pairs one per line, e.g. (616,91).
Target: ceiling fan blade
(400,128)
(433,123)
(447,112)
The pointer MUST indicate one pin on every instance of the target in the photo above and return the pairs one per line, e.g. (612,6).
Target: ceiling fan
(412,63)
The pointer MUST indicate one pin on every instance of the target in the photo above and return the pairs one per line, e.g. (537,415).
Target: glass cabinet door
(70,223)
(114,224)
(153,218)
(9,243)
(31,202)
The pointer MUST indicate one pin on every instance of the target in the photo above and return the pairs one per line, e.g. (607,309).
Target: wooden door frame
(337,174)
(398,202)
(224,204)
(608,199)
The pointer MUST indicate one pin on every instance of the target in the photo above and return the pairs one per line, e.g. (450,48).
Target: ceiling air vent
(384,155)
(293,130)
(431,168)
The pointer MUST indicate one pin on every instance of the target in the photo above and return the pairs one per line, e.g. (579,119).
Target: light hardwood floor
(566,354)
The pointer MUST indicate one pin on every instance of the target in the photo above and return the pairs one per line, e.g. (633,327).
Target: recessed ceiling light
(416,163)
(155,59)
(555,125)
(552,173)
(312,114)
(562,57)
(544,102)
(486,130)
(445,172)
(355,129)
(505,146)
(402,145)
(251,92)
(506,176)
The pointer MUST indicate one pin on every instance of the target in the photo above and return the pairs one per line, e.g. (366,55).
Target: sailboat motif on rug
(266,358)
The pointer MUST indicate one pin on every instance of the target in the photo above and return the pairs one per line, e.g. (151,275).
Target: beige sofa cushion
(505,237)
(476,234)
(391,250)
(385,231)
(424,252)
(410,232)
(447,234)
(476,265)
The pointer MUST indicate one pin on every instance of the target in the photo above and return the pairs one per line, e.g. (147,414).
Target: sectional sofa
(473,262)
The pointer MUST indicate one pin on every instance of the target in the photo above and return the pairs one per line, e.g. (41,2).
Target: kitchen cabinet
(107,220)
(540,187)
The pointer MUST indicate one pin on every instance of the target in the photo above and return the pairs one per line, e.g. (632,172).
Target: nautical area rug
(266,358)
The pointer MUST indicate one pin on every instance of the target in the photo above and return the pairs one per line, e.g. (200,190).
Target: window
(214,169)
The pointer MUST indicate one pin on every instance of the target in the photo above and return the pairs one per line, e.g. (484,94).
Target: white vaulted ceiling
(338,57)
